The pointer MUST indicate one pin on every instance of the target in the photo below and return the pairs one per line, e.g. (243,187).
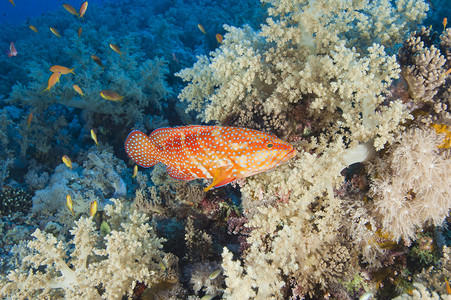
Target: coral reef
(335,92)
(361,211)
(95,269)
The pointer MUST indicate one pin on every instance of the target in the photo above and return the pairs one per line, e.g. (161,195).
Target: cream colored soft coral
(132,253)
(413,184)
(329,60)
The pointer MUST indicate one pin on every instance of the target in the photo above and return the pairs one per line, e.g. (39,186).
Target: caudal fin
(140,149)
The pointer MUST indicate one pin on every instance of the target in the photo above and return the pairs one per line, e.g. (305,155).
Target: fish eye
(269,146)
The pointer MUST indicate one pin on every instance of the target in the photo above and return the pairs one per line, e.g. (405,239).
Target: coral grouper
(222,153)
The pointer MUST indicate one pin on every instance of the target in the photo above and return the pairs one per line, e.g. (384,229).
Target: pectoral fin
(221,176)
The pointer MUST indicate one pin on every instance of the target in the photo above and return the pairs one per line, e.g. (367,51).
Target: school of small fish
(223,154)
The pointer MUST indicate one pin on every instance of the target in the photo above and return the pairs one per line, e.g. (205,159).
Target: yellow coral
(443,129)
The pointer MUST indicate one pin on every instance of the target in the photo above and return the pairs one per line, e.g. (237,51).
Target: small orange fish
(219,38)
(97,60)
(70,9)
(116,49)
(83,8)
(54,79)
(135,171)
(79,31)
(78,89)
(93,210)
(12,2)
(62,70)
(222,153)
(33,28)
(30,117)
(12,50)
(201,28)
(94,136)
(70,204)
(67,161)
(445,21)
(110,95)
(55,32)
(448,288)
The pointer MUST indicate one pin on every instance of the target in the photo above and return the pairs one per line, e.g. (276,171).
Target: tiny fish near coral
(30,117)
(12,50)
(53,79)
(83,8)
(55,32)
(93,209)
(97,60)
(70,204)
(67,161)
(201,28)
(33,28)
(110,95)
(135,171)
(222,153)
(116,49)
(61,69)
(94,137)
(78,89)
(70,9)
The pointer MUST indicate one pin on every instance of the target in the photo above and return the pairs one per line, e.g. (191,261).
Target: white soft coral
(413,184)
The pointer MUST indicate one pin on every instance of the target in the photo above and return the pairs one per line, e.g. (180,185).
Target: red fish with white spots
(222,153)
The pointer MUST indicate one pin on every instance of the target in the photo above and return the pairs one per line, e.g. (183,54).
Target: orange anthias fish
(219,38)
(83,8)
(97,60)
(61,69)
(116,49)
(33,28)
(70,9)
(78,89)
(12,50)
(55,32)
(53,79)
(201,28)
(30,117)
(222,153)
(110,95)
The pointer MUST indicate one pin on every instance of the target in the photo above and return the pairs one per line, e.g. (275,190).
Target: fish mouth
(289,155)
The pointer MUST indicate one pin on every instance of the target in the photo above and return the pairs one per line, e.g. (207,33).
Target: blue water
(27,9)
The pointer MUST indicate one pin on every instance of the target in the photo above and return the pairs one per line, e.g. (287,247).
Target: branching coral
(423,66)
(99,179)
(131,254)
